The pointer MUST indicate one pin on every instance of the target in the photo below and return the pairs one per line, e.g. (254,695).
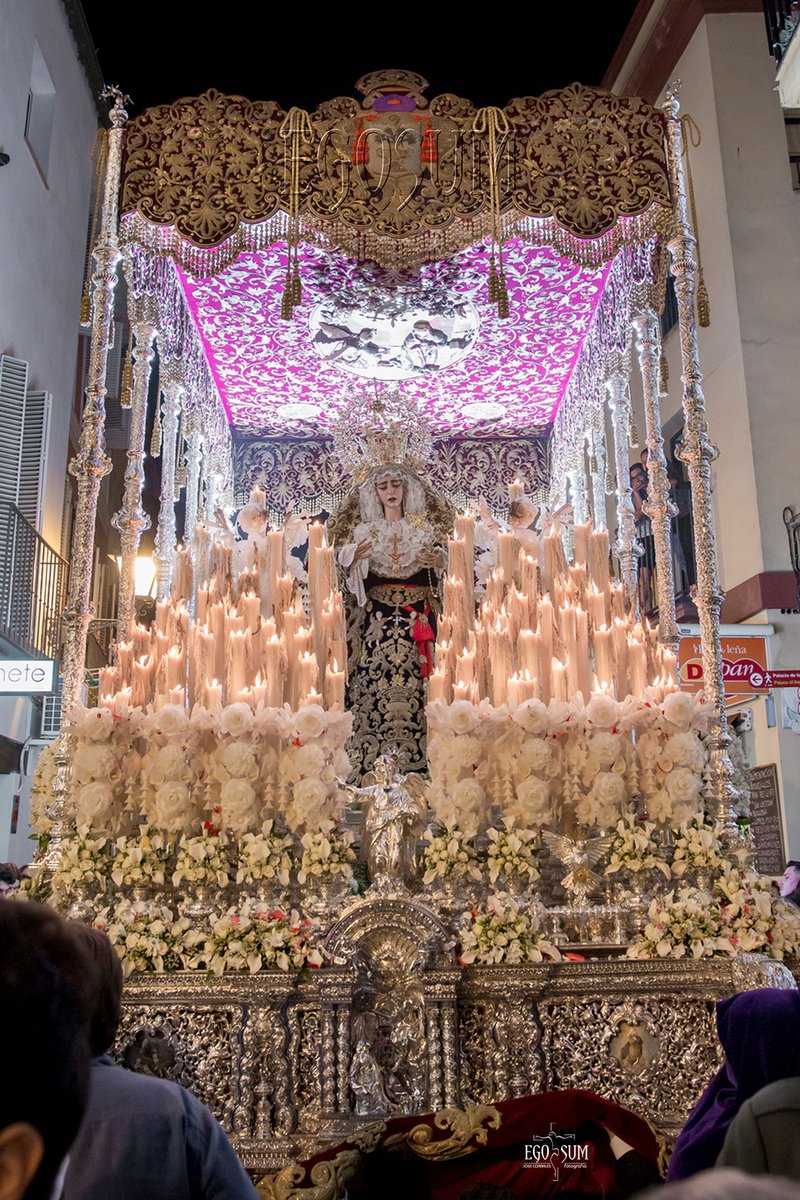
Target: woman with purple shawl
(760,1034)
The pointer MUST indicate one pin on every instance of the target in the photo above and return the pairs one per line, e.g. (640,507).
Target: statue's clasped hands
(432,558)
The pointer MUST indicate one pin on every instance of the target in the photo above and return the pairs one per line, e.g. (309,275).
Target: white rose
(202,719)
(341,764)
(679,708)
(465,751)
(534,805)
(236,719)
(97,725)
(686,750)
(535,754)
(309,797)
(168,762)
(238,804)
(559,714)
(604,748)
(609,788)
(462,717)
(648,748)
(532,716)
(171,720)
(171,807)
(310,721)
(602,710)
(683,786)
(237,759)
(94,762)
(469,795)
(309,760)
(95,805)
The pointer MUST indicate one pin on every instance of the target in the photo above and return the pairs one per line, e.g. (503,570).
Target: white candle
(603,657)
(436,686)
(272,671)
(558,680)
(505,554)
(213,694)
(581,536)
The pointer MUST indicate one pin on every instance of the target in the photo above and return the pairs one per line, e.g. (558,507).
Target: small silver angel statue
(394,818)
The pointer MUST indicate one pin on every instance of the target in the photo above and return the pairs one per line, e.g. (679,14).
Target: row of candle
(240,645)
(546,629)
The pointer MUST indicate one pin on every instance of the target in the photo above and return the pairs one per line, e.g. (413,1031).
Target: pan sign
(744,666)
(26,676)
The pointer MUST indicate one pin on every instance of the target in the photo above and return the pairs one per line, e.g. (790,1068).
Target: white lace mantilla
(396,547)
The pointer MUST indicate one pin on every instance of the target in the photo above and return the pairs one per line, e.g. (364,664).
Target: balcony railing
(782,17)
(33,586)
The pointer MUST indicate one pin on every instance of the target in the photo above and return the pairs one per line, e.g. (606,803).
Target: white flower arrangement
(740,916)
(449,855)
(746,909)
(327,854)
(683,924)
(171,766)
(697,847)
(83,862)
(246,939)
(264,856)
(139,861)
(511,852)
(636,848)
(202,858)
(42,790)
(784,941)
(149,937)
(502,932)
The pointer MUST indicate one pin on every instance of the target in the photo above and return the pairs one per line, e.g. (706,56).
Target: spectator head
(44,984)
(644,456)
(9,879)
(790,880)
(105,1002)
(638,477)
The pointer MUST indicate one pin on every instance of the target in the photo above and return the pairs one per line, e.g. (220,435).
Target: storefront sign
(744,666)
(26,676)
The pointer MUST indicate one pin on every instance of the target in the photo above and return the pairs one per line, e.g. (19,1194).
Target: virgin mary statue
(390,532)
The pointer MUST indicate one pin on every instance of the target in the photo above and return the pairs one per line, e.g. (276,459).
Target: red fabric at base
(502,1161)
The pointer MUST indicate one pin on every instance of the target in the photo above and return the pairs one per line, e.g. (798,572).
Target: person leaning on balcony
(142,1138)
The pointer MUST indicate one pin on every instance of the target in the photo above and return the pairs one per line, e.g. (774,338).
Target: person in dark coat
(759,1034)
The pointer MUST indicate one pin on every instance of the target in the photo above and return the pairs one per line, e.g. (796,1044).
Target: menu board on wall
(765,815)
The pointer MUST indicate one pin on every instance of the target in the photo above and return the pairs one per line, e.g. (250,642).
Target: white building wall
(43,225)
(749,227)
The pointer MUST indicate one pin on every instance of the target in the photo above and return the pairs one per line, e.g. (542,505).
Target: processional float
(552,704)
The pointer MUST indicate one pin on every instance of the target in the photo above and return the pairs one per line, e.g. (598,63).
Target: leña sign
(744,666)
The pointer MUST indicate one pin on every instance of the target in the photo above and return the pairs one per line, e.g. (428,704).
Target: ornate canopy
(387,229)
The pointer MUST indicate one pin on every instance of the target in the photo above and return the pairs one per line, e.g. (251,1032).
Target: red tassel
(429,152)
(360,147)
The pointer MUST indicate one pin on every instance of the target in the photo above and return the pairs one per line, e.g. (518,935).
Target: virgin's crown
(375,430)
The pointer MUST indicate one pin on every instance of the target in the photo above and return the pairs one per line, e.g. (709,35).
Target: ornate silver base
(277,1058)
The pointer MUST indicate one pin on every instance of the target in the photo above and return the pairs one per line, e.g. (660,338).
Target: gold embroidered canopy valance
(394,178)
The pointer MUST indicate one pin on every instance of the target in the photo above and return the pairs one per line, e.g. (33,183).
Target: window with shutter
(33,456)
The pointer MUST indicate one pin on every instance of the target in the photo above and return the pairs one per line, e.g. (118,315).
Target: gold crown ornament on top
(382,428)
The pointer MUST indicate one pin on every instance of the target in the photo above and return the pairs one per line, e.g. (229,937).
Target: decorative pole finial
(118,112)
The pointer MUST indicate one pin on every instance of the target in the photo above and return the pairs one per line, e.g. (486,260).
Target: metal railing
(782,17)
(33,586)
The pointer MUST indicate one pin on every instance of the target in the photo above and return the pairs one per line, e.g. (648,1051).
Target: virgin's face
(390,494)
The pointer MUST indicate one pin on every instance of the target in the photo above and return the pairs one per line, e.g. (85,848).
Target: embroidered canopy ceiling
(393,214)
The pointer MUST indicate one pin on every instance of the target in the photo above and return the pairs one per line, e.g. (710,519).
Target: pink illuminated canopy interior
(429,332)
